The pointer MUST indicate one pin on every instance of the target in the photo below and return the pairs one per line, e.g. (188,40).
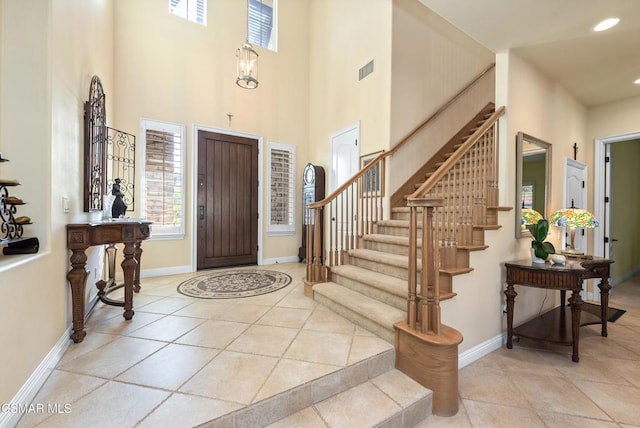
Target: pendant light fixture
(247,63)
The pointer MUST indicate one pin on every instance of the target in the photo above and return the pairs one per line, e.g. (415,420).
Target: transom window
(262,23)
(192,10)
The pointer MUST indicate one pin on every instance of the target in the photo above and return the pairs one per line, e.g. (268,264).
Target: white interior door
(345,162)
(575,191)
(345,155)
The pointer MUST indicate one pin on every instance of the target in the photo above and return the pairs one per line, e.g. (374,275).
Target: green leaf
(541,253)
(541,230)
(548,247)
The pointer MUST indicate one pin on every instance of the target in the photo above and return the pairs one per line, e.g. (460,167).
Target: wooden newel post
(430,274)
(413,269)
(308,252)
(429,353)
(317,246)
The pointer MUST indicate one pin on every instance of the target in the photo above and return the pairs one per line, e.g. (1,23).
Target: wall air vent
(365,70)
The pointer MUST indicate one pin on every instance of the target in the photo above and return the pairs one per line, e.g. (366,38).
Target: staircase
(389,274)
(370,286)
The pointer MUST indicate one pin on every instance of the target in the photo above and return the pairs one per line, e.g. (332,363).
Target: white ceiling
(555,36)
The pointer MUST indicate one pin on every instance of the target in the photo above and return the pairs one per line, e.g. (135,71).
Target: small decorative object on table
(540,249)
(119,207)
(558,259)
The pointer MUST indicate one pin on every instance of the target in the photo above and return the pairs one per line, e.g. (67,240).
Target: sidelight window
(282,178)
(163,177)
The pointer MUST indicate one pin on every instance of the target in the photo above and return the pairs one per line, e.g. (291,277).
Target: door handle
(201,212)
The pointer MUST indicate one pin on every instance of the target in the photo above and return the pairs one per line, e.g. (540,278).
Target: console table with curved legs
(80,236)
(554,325)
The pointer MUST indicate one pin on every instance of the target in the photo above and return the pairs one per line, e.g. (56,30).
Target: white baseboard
(172,270)
(27,393)
(477,352)
(275,261)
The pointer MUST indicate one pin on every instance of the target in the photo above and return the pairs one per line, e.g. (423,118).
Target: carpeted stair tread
(362,305)
(396,223)
(389,284)
(380,257)
(390,239)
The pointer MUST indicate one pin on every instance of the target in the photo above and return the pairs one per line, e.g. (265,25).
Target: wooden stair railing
(354,208)
(349,212)
(426,349)
(453,199)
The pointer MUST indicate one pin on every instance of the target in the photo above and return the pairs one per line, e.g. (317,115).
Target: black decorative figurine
(119,207)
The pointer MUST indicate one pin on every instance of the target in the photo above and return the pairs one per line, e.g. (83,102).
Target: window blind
(163,178)
(282,168)
(261,23)
(192,10)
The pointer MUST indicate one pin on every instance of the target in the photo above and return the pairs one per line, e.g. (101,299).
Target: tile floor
(157,369)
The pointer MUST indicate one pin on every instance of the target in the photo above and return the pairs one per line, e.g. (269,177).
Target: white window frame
(273,39)
(283,229)
(159,231)
(188,9)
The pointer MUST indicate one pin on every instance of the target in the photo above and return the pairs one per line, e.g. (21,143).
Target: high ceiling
(555,37)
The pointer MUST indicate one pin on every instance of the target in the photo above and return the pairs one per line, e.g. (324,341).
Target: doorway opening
(612,196)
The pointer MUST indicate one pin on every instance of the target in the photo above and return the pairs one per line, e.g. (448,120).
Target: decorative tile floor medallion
(234,284)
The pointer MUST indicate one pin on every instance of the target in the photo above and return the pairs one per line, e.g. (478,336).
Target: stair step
(291,401)
(395,265)
(391,399)
(384,288)
(393,244)
(368,313)
(456,271)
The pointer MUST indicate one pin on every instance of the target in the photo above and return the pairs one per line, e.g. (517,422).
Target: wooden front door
(227,200)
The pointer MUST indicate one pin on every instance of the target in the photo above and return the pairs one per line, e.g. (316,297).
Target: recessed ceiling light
(606,24)
(637,81)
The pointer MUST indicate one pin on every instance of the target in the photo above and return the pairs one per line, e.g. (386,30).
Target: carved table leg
(511,294)
(111,251)
(576,304)
(77,277)
(138,256)
(128,268)
(604,302)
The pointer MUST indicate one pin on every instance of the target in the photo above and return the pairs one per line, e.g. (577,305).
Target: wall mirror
(533,178)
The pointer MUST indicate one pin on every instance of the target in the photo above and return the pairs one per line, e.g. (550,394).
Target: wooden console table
(81,236)
(554,326)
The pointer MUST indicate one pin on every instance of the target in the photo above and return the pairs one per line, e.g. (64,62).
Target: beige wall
(539,107)
(169,69)
(344,36)
(49,52)
(432,61)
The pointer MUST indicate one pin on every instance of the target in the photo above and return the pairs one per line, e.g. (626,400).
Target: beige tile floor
(157,369)
(533,385)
